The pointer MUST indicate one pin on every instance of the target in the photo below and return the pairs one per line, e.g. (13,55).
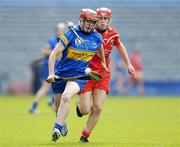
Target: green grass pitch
(125,122)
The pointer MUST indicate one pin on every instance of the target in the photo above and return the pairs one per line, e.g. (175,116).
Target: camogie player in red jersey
(97,90)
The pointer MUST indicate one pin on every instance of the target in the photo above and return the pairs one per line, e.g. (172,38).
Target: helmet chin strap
(102,30)
(85,32)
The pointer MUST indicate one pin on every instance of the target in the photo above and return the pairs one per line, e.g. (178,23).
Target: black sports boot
(83,140)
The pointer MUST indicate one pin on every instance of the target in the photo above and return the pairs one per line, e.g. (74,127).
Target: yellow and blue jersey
(76,57)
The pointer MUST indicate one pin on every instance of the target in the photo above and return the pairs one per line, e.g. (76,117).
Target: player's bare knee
(84,110)
(66,98)
(96,109)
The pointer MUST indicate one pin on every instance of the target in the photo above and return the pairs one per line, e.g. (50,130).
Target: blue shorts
(58,87)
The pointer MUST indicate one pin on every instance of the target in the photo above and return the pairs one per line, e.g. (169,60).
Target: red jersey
(110,39)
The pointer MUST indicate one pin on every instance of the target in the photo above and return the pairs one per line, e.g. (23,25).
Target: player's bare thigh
(71,89)
(85,102)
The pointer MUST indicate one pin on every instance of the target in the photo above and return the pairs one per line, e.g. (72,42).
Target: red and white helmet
(104,12)
(104,19)
(89,14)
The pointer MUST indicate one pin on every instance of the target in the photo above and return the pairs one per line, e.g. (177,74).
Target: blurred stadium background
(151,25)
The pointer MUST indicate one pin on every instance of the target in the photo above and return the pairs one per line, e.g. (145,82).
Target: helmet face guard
(104,19)
(88,20)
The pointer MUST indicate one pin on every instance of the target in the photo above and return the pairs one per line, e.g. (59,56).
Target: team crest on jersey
(77,41)
(94,45)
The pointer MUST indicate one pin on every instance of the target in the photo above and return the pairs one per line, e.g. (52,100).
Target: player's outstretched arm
(122,50)
(52,58)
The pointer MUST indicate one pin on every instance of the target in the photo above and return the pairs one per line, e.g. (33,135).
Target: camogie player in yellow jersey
(76,56)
